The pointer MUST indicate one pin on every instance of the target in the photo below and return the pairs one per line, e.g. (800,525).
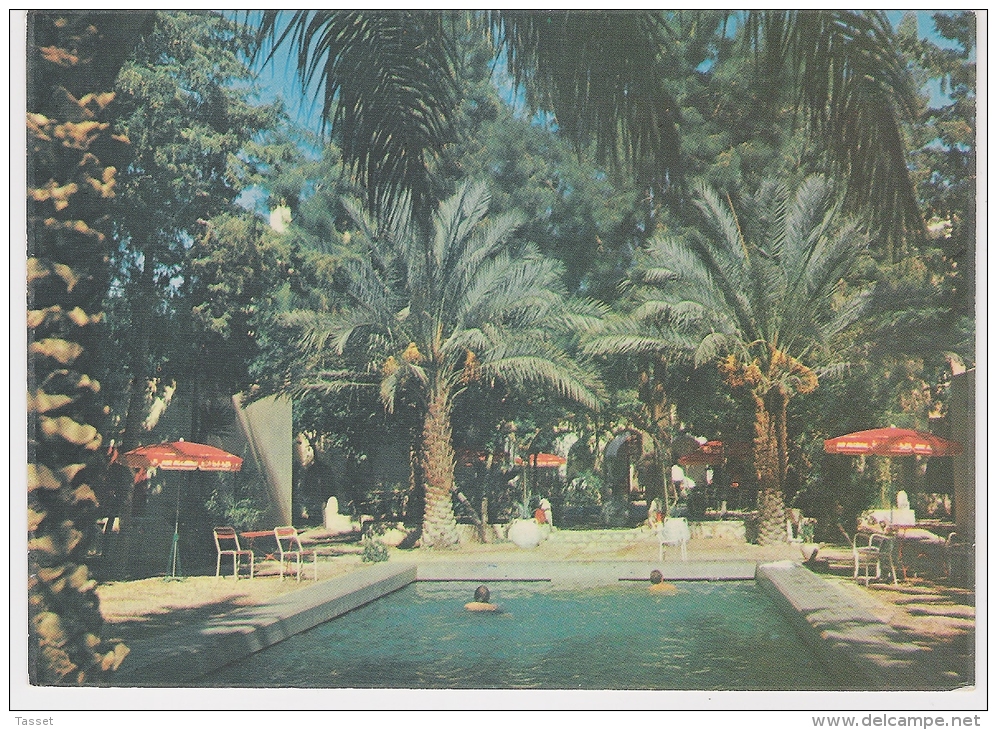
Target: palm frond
(388,89)
(525,360)
(395,382)
(713,346)
(855,91)
(833,371)
(595,71)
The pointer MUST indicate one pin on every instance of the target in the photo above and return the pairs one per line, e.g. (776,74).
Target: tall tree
(760,295)
(184,102)
(426,315)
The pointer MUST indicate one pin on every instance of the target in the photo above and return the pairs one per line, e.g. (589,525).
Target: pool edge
(862,651)
(192,652)
(852,643)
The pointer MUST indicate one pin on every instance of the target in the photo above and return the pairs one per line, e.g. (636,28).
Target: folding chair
(290,548)
(227,543)
(879,546)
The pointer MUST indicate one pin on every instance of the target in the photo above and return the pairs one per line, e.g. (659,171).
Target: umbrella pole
(175,547)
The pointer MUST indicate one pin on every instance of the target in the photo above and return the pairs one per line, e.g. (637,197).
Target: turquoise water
(708,636)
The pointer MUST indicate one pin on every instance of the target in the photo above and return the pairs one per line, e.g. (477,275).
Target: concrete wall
(962,419)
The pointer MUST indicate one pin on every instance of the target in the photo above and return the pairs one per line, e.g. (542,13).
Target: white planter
(525,533)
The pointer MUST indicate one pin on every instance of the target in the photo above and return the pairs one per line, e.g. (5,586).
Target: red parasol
(181,456)
(892,441)
(543,460)
(713,453)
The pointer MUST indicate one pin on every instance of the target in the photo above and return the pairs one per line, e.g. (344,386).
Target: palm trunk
(439,525)
(770,464)
(67,274)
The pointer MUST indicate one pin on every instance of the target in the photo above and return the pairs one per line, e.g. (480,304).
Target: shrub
(241,514)
(615,513)
(584,491)
(374,551)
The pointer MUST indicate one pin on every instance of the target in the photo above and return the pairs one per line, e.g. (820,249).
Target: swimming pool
(708,636)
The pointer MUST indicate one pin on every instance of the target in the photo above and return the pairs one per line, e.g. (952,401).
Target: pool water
(707,636)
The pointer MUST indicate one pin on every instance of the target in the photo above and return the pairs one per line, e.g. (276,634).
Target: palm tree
(388,87)
(73,154)
(762,297)
(425,315)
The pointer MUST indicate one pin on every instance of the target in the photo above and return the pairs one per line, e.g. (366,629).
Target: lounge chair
(878,547)
(673,531)
(290,548)
(227,543)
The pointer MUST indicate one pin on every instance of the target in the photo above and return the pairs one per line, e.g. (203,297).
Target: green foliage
(584,491)
(615,513)
(839,72)
(185,103)
(387,87)
(243,513)
(521,509)
(373,550)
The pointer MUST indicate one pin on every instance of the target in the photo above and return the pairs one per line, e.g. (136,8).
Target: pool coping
(177,658)
(857,648)
(586,572)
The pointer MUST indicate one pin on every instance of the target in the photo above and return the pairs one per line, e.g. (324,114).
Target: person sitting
(481,601)
(548,512)
(657,584)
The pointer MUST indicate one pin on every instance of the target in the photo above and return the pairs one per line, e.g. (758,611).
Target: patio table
(251,535)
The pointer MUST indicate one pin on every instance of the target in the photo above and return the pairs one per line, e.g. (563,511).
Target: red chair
(227,543)
(290,548)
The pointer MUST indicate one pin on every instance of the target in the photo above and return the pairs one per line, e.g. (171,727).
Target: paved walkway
(174,659)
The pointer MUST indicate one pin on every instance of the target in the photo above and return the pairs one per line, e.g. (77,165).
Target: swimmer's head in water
(656,577)
(481,594)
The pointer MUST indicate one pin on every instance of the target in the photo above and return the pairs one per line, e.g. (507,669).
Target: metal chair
(227,543)
(958,556)
(290,548)
(878,547)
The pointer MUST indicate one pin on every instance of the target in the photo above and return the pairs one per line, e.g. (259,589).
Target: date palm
(73,156)
(427,314)
(761,296)
(388,86)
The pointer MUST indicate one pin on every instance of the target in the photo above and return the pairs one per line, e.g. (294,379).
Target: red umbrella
(181,456)
(713,453)
(892,441)
(543,460)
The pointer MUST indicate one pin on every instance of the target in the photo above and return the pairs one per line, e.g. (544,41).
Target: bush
(615,513)
(374,551)
(241,514)
(584,491)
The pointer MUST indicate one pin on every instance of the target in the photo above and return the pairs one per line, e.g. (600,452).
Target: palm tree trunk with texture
(770,464)
(439,525)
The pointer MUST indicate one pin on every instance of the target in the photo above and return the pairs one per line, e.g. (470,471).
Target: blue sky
(279,78)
